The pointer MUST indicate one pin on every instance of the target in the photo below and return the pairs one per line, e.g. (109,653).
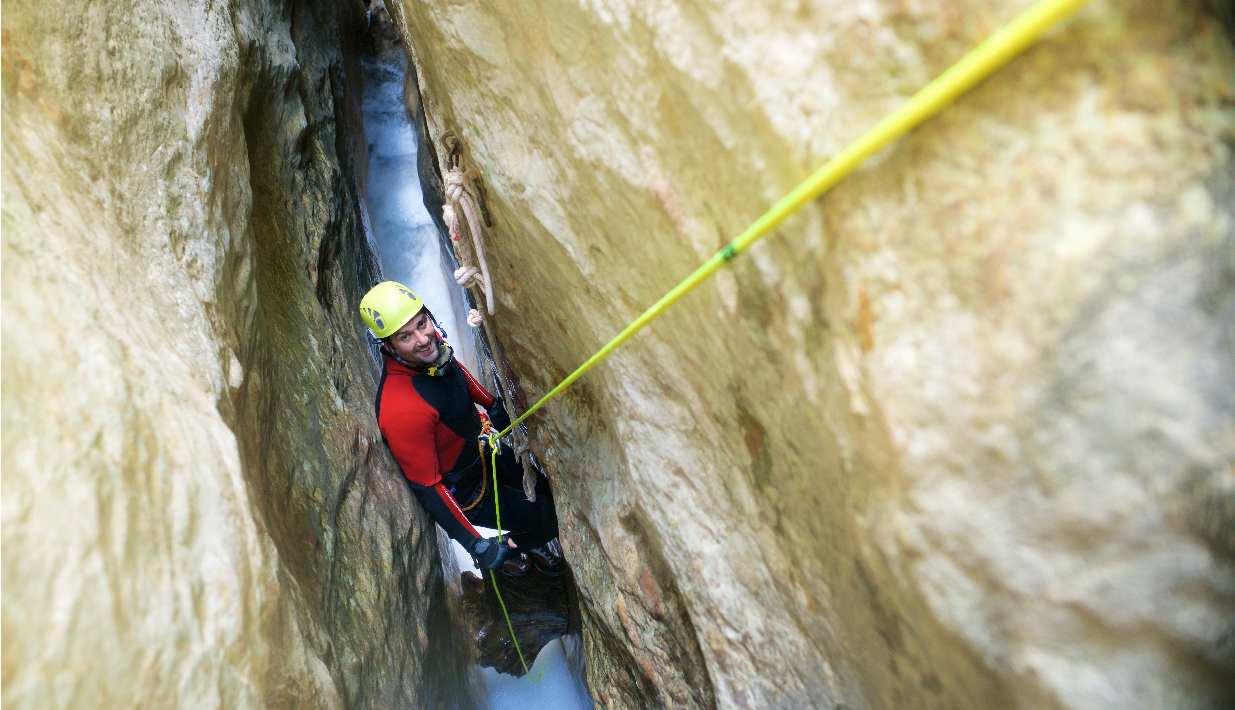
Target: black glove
(490,553)
(498,415)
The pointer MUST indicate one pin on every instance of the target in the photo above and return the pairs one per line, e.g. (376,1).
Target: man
(426,410)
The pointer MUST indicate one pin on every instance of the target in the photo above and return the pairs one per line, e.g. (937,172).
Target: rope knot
(459,189)
(455,181)
(466,275)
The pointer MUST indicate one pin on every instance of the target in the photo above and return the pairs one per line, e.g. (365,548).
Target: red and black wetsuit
(431,425)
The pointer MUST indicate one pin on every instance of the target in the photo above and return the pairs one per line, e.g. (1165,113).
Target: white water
(407,241)
(411,253)
(557,689)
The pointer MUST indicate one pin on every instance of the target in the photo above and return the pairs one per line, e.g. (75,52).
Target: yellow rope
(526,672)
(992,54)
(497,512)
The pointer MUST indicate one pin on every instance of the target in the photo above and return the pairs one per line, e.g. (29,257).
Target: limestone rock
(960,435)
(197,507)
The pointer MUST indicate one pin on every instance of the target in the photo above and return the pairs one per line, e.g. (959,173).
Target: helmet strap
(442,334)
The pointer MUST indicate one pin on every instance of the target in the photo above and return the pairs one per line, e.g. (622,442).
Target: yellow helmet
(388,306)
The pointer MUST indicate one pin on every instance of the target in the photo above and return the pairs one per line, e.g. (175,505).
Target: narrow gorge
(960,434)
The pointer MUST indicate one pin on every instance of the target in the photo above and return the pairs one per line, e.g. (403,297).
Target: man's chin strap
(444,353)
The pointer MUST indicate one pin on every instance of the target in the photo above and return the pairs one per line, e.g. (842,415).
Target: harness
(488,435)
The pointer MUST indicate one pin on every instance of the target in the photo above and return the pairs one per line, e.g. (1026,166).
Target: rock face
(197,508)
(960,435)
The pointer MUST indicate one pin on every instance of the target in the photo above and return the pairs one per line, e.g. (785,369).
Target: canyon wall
(961,434)
(197,508)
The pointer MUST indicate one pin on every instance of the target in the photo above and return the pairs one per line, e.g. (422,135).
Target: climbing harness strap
(485,437)
(992,54)
(484,480)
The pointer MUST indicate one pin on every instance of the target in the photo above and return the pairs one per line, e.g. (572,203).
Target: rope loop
(459,188)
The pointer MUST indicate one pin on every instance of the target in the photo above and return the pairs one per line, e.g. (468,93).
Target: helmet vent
(377,318)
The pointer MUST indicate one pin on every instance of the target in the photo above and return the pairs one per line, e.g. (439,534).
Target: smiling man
(427,412)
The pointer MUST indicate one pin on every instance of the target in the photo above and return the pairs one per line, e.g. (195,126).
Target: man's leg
(510,472)
(530,524)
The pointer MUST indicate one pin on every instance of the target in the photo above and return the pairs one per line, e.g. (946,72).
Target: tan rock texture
(197,509)
(961,434)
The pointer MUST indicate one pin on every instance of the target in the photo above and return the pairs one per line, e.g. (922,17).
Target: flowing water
(411,253)
(406,238)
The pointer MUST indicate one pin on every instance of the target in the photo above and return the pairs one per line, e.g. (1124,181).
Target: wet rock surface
(198,508)
(961,435)
(539,608)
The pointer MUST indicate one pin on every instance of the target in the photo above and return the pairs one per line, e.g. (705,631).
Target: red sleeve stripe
(454,509)
(479,394)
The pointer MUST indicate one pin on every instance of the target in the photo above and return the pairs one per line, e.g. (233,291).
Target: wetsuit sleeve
(415,449)
(446,512)
(478,394)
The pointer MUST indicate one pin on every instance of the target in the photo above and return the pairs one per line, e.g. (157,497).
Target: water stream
(411,253)
(407,241)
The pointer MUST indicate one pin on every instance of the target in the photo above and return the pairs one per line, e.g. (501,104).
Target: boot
(515,565)
(548,558)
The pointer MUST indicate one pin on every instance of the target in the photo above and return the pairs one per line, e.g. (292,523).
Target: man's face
(416,341)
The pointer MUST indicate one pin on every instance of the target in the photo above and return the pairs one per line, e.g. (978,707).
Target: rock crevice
(198,507)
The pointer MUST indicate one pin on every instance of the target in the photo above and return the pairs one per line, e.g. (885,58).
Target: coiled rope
(461,193)
(998,50)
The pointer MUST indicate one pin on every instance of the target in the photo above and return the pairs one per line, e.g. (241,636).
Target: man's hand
(499,417)
(490,553)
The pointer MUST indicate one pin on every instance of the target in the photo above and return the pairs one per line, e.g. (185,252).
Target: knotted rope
(461,189)
(461,193)
(467,275)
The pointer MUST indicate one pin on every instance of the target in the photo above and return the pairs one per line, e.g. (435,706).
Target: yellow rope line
(992,54)
(497,512)
(526,671)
